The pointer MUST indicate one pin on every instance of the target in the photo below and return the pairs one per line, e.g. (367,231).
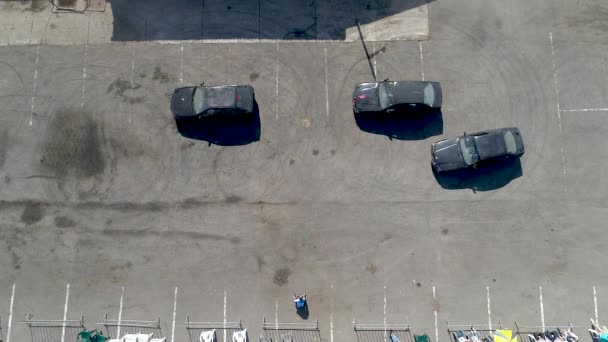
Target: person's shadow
(303,312)
(223,130)
(404,122)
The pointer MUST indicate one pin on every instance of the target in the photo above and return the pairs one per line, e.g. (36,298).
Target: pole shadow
(405,123)
(228,130)
(489,175)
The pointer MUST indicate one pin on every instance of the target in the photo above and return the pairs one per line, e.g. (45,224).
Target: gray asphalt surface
(101,191)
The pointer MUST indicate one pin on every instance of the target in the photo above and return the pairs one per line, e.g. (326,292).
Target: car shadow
(402,124)
(488,176)
(223,131)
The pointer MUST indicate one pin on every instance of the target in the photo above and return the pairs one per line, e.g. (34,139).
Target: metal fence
(117,328)
(224,330)
(46,330)
(523,332)
(483,331)
(381,332)
(300,332)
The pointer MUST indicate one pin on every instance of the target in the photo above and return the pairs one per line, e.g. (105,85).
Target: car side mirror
(390,110)
(464,134)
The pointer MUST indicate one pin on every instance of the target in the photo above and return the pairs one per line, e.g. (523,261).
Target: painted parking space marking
(435,314)
(181,64)
(326,85)
(421,60)
(542,308)
(228,66)
(122,296)
(84,74)
(277,83)
(331,312)
(384,306)
(65,311)
(174,312)
(595,303)
(33,100)
(276,314)
(132,76)
(559,115)
(374,59)
(489,307)
(585,110)
(10,315)
(225,295)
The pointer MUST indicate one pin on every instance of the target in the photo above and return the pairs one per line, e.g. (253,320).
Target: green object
(85,335)
(99,338)
(422,338)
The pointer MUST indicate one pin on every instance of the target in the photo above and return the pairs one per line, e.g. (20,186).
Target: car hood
(446,154)
(365,97)
(181,102)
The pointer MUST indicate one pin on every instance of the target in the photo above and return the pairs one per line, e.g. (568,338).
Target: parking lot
(101,192)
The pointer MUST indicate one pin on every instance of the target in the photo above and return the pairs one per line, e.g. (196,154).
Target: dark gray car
(470,149)
(385,96)
(188,102)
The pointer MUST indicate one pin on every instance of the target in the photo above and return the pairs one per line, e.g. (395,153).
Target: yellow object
(504,336)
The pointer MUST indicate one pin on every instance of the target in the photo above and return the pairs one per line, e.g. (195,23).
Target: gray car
(200,101)
(386,96)
(470,149)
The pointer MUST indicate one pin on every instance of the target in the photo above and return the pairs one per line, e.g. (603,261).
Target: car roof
(220,96)
(490,144)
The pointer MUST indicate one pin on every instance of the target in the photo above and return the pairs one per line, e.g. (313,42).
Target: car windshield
(429,95)
(385,94)
(468,150)
(198,100)
(510,142)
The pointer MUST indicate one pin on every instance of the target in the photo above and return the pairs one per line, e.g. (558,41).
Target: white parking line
(331,326)
(594,302)
(122,296)
(132,75)
(542,308)
(331,315)
(421,60)
(84,73)
(276,314)
(277,83)
(10,315)
(326,86)
(174,312)
(228,66)
(585,110)
(435,313)
(385,313)
(35,84)
(65,311)
(559,116)
(181,64)
(374,57)
(225,295)
(489,307)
